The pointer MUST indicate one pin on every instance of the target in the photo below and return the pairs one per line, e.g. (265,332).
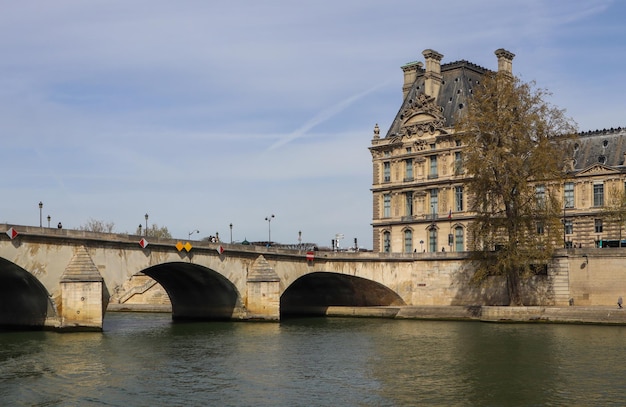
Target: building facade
(420,201)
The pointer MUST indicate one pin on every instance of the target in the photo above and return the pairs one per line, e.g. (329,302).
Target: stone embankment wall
(596,277)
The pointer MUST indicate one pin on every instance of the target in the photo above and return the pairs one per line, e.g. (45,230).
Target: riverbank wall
(534,314)
(538,314)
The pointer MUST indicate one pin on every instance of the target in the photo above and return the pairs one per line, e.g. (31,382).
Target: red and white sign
(220,249)
(143,243)
(310,256)
(12,233)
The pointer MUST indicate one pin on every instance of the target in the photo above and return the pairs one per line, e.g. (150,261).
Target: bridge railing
(72,236)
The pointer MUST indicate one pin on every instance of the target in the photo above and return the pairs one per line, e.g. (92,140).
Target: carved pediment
(597,169)
(421,115)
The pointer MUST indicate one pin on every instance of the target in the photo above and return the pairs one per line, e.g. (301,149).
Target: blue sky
(206,113)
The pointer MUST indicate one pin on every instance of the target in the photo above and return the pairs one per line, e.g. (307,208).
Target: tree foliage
(515,161)
(100,226)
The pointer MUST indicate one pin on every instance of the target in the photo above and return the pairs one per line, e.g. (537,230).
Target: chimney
(505,61)
(432,77)
(410,74)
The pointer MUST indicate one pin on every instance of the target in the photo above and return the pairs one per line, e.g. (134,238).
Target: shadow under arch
(196,292)
(24,301)
(313,293)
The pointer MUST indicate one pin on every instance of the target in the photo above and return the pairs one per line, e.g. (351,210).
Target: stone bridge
(65,278)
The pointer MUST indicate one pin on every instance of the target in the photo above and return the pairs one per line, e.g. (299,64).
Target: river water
(147,360)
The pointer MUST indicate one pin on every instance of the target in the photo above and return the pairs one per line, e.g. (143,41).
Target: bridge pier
(263,291)
(84,296)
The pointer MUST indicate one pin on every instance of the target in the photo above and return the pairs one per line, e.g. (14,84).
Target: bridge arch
(312,293)
(197,292)
(24,301)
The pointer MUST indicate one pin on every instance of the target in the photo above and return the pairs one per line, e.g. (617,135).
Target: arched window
(387,241)
(459,239)
(408,241)
(432,239)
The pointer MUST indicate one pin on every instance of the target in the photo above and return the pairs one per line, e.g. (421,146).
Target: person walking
(619,302)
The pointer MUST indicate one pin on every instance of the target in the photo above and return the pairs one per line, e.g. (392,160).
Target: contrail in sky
(323,116)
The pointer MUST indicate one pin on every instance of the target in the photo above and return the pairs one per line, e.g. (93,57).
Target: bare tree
(154,230)
(515,163)
(100,226)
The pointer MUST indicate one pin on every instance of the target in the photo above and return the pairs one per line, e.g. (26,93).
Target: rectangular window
(459,239)
(458,199)
(540,229)
(598,194)
(433,166)
(568,192)
(458,163)
(434,203)
(408,169)
(409,203)
(569,227)
(432,240)
(386,171)
(386,205)
(540,195)
(387,242)
(408,149)
(597,223)
(408,241)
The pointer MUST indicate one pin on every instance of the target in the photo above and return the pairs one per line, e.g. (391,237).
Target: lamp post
(40,211)
(299,240)
(231,233)
(269,229)
(191,233)
(146,231)
(49,221)
(140,229)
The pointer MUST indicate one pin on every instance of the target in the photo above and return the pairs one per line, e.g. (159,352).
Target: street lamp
(146,224)
(231,233)
(299,240)
(49,221)
(40,218)
(191,233)
(269,229)
(140,229)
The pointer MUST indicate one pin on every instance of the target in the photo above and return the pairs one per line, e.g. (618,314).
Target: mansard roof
(606,147)
(458,79)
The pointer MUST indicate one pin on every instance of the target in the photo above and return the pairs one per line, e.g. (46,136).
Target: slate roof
(458,79)
(606,146)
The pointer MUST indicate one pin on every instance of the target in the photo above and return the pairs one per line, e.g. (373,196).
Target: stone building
(418,189)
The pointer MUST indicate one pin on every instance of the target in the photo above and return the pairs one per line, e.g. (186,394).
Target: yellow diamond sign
(188,246)
(179,246)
